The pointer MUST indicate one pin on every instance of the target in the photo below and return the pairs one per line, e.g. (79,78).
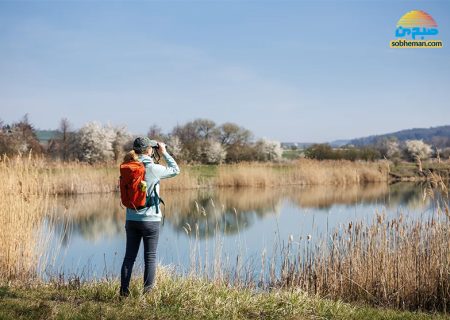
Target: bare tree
(19,137)
(121,137)
(191,136)
(155,132)
(195,138)
(230,134)
(205,129)
(236,141)
(174,146)
(64,128)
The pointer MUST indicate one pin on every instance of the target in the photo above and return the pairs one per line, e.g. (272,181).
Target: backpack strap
(153,198)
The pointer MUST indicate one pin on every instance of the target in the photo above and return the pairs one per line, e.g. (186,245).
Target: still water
(87,234)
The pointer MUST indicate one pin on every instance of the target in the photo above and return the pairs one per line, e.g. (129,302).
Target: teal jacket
(153,174)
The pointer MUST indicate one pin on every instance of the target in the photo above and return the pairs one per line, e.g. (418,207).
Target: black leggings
(149,232)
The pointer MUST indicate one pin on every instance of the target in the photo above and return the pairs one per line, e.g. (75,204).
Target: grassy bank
(178,298)
(410,171)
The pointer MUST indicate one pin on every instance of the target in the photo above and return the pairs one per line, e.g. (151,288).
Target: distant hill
(338,143)
(297,145)
(436,136)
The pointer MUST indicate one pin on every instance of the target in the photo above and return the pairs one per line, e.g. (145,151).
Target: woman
(144,223)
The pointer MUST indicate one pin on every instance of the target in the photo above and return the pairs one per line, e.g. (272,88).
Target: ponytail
(130,156)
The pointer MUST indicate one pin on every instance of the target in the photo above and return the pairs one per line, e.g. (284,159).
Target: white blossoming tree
(95,142)
(417,148)
(389,148)
(212,152)
(268,150)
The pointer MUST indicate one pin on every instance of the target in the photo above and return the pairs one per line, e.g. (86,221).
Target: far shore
(39,175)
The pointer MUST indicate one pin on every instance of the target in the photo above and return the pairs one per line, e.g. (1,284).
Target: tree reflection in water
(227,211)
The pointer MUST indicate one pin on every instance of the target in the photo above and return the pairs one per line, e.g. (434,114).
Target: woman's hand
(162,147)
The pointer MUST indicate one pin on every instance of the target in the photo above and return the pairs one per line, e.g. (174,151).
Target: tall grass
(23,205)
(399,262)
(38,175)
(390,263)
(301,172)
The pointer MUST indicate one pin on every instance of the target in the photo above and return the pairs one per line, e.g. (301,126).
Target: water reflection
(93,216)
(99,216)
(90,228)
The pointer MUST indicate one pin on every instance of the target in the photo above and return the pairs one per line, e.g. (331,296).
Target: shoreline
(176,297)
(42,177)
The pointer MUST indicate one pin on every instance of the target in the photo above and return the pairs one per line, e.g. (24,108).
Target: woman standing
(143,223)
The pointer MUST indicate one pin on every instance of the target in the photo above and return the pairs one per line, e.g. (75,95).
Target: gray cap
(141,144)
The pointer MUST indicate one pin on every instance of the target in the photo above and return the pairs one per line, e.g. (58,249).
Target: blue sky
(287,70)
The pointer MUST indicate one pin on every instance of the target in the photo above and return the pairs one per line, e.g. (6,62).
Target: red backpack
(132,194)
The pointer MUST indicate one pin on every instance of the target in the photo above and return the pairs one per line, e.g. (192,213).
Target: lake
(87,236)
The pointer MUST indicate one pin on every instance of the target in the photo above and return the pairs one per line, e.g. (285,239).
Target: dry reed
(22,242)
(56,177)
(401,262)
(301,172)
(390,263)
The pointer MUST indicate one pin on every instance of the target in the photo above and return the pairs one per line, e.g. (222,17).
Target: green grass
(203,171)
(410,169)
(177,298)
(292,154)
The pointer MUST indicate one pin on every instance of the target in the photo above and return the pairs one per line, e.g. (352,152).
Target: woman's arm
(172,169)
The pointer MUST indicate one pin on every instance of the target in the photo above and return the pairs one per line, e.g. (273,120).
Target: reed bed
(301,172)
(22,244)
(390,263)
(400,262)
(37,175)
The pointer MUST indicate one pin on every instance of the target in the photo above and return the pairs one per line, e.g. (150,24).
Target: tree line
(197,141)
(387,148)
